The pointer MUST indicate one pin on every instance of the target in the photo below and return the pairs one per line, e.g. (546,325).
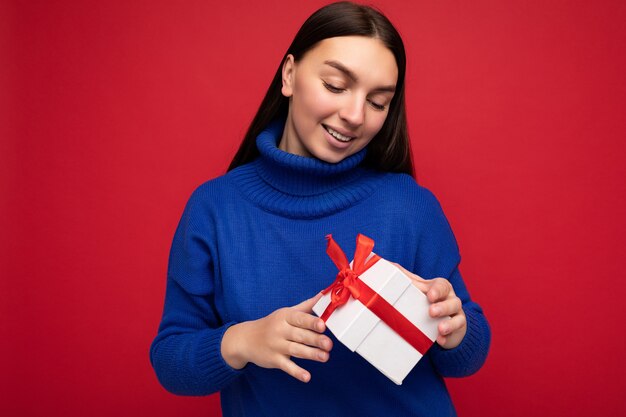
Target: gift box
(373,308)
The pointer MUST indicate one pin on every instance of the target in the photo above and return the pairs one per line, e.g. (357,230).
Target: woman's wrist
(232,346)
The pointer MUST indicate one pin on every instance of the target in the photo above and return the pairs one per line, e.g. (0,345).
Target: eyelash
(332,88)
(337,90)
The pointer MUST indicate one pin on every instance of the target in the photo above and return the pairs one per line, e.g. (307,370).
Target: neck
(291,146)
(298,186)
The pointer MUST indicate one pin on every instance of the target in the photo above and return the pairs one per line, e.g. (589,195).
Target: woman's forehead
(364,57)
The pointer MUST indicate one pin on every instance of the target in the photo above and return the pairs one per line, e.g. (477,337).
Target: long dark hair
(390,149)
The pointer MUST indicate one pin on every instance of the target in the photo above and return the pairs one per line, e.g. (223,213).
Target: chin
(331,157)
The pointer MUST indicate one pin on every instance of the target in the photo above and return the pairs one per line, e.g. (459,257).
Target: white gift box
(361,331)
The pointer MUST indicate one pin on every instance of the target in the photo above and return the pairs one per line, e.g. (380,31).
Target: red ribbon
(347,283)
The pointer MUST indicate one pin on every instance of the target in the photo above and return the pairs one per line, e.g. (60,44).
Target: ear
(288,75)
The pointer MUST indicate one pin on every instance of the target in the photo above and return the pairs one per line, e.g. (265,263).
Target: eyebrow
(353,77)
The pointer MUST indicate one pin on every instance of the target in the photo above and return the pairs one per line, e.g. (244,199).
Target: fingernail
(320,326)
(305,377)
(435,310)
(321,356)
(445,329)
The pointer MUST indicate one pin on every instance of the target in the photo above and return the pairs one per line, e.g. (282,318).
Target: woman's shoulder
(211,193)
(207,189)
(405,189)
(419,208)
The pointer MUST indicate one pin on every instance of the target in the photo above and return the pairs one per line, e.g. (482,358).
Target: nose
(353,111)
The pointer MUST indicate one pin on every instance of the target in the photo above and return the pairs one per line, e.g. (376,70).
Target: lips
(339,136)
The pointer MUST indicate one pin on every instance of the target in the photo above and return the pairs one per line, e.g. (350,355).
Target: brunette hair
(390,149)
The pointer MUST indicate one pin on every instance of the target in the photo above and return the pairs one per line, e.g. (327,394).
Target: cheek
(313,101)
(375,122)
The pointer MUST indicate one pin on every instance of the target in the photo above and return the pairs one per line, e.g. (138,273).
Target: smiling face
(339,94)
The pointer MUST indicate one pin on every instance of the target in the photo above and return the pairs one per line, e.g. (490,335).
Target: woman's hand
(444,302)
(271,341)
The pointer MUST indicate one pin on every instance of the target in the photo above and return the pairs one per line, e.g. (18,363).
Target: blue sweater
(253,241)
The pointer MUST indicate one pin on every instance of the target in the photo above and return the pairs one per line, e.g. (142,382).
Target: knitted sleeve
(186,353)
(438,256)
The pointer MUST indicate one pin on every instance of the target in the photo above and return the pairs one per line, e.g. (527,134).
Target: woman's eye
(332,88)
(377,106)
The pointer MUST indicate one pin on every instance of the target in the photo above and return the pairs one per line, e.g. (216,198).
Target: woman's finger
(307,337)
(298,350)
(305,321)
(439,290)
(448,307)
(288,366)
(422,284)
(409,273)
(447,327)
(307,305)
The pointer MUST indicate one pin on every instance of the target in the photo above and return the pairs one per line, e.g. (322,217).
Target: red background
(113,112)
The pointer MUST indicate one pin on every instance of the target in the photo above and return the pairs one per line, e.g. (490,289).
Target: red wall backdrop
(113,112)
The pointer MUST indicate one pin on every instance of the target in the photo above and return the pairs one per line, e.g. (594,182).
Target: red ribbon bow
(347,283)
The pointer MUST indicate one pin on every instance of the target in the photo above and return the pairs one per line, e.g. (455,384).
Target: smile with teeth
(338,135)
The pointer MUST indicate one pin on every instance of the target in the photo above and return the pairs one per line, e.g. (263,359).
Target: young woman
(328,152)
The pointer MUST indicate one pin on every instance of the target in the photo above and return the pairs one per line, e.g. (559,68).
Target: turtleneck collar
(298,186)
(300,175)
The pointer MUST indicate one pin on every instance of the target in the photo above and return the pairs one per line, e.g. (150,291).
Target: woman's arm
(186,351)
(195,351)
(463,343)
